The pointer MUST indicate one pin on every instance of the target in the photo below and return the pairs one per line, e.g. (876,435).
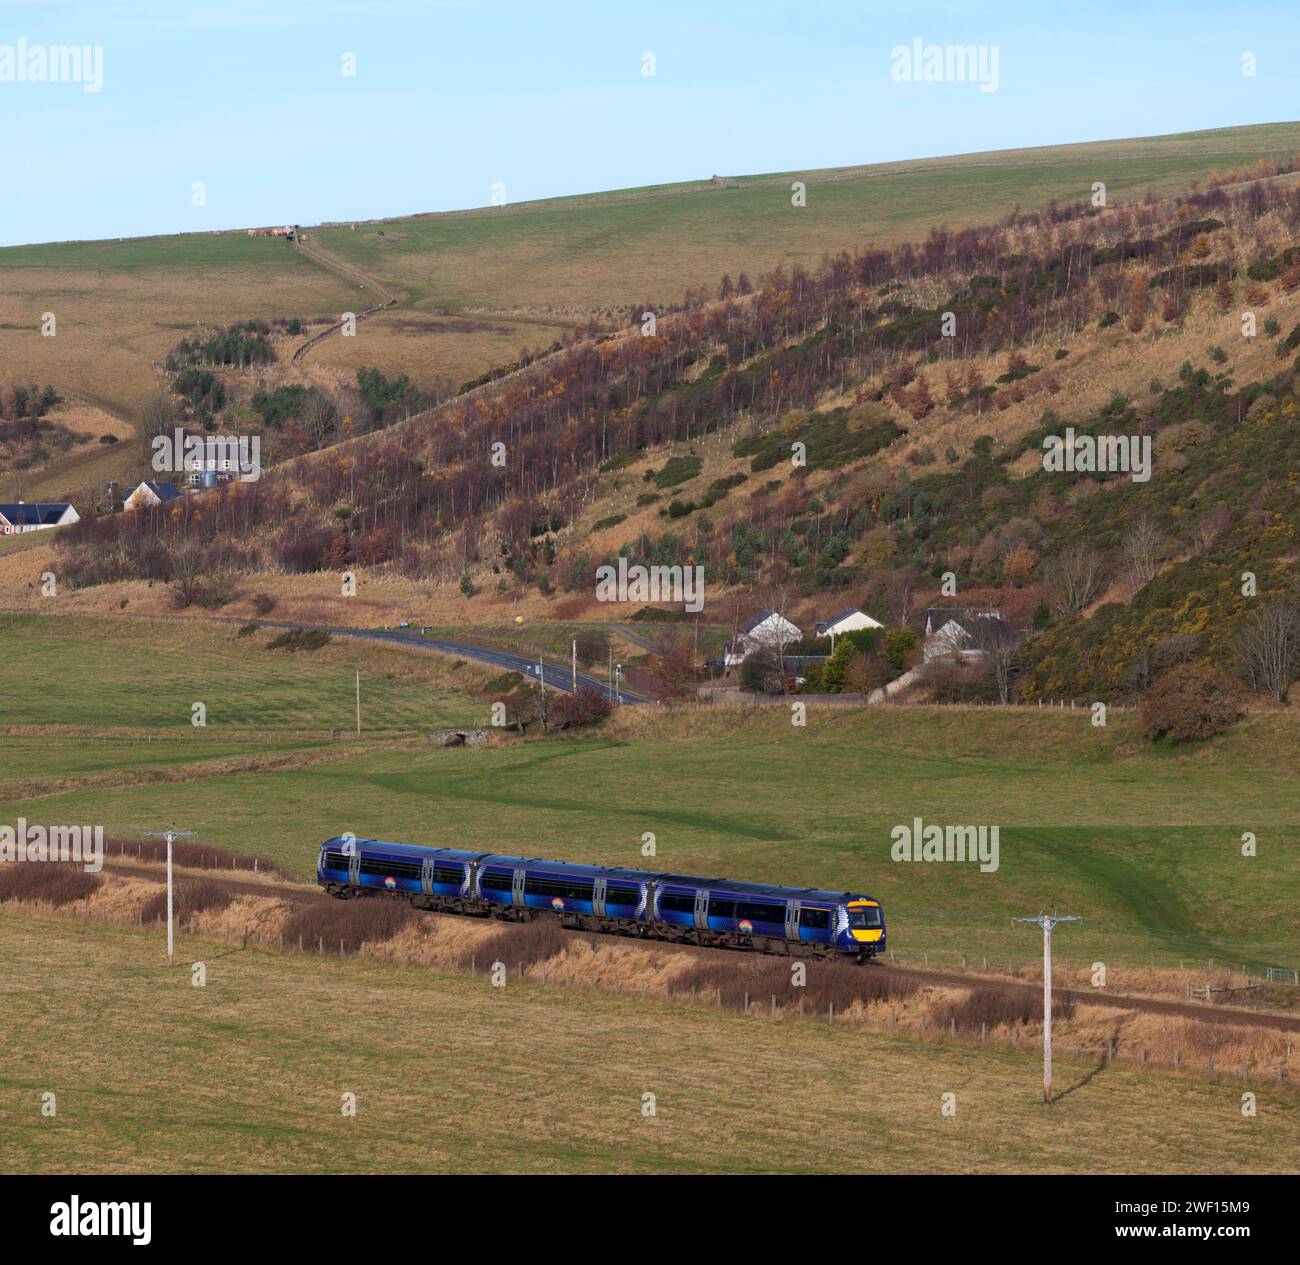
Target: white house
(850,620)
(951,631)
(764,631)
(24,516)
(149,494)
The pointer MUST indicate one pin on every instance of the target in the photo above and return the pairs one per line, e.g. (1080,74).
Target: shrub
(348,924)
(56,884)
(263,604)
(582,707)
(299,639)
(190,897)
(678,470)
(1191,702)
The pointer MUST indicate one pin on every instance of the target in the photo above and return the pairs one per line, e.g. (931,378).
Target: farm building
(25,516)
(149,494)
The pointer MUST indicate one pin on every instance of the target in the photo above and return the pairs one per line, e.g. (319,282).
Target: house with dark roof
(25,516)
(150,493)
(849,620)
(763,630)
(954,632)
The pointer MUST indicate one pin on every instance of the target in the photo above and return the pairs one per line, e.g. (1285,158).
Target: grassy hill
(248,1073)
(536,267)
(612,249)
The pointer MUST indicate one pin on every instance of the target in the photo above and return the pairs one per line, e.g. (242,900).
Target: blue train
(680,907)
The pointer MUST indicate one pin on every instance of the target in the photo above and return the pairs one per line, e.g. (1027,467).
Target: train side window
(722,908)
(760,913)
(677,903)
(815,919)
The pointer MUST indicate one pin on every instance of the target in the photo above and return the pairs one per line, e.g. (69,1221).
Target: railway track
(290,890)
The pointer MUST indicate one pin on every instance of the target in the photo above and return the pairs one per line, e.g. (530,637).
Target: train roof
(734,886)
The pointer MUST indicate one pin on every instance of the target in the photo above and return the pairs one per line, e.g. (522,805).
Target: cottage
(764,631)
(151,493)
(24,516)
(850,620)
(953,632)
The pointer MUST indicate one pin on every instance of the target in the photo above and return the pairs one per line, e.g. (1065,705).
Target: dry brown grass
(985,1013)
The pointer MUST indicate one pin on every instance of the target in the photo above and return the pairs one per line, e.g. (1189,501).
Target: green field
(130,674)
(452,1075)
(1143,841)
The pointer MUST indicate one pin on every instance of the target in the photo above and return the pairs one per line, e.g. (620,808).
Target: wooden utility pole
(541,689)
(358,702)
(575,665)
(169,835)
(1047,922)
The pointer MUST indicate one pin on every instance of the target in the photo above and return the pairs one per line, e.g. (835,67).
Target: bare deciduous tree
(1144,550)
(1072,579)
(1268,646)
(1002,646)
(157,417)
(187,564)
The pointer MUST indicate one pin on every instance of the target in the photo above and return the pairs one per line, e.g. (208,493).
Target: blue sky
(453,96)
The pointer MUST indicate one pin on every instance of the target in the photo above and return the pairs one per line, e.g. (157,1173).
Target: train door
(517,888)
(354,867)
(426,876)
(792,920)
(598,897)
(702,909)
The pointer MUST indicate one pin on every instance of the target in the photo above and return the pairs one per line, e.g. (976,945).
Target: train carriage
(685,908)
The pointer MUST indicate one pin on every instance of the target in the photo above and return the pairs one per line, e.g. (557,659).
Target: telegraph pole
(1047,922)
(541,689)
(169,835)
(575,665)
(358,702)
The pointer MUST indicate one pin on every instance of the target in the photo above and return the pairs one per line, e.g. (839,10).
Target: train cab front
(866,927)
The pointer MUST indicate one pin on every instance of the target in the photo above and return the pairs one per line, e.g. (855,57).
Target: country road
(557,676)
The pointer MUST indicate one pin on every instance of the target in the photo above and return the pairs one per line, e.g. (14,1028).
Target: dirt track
(289,890)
